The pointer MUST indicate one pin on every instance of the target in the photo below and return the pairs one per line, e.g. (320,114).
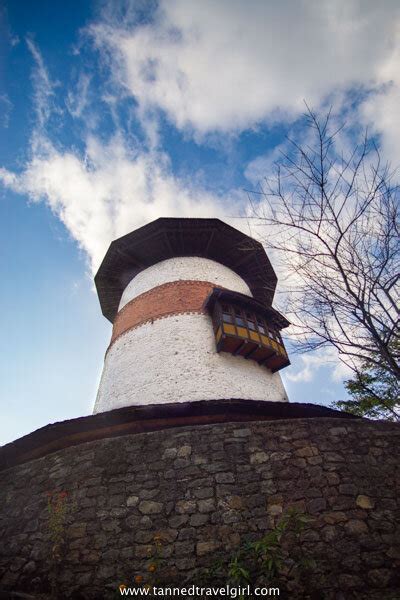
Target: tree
(374,392)
(333,216)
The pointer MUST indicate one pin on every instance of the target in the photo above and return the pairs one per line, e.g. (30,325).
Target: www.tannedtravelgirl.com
(194,591)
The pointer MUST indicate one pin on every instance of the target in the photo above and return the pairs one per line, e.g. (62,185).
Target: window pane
(241,322)
(227,317)
(251,325)
(261,325)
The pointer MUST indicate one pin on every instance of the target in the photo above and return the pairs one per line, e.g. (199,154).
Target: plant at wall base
(58,511)
(275,559)
(156,560)
(150,578)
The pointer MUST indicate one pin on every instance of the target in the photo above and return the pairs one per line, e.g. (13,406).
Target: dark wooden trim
(253,350)
(240,347)
(264,360)
(210,239)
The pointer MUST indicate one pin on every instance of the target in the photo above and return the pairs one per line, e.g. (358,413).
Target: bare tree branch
(335,222)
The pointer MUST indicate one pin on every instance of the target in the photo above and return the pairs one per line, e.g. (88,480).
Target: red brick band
(172,298)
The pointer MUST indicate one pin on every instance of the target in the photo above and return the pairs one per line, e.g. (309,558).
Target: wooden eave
(168,238)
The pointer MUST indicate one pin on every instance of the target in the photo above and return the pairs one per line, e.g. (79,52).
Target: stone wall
(202,491)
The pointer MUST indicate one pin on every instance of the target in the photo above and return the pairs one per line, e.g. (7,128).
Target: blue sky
(115,113)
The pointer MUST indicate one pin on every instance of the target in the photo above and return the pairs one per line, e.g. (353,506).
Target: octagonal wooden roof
(171,237)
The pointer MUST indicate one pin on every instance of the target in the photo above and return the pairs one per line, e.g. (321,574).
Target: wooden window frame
(271,338)
(236,312)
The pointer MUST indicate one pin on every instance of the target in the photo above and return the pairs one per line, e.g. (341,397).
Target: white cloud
(263,165)
(43,87)
(309,364)
(226,65)
(78,100)
(381,109)
(8,178)
(214,65)
(381,114)
(110,191)
(5,110)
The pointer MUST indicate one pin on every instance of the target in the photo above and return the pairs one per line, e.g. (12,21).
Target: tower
(190,301)
(187,468)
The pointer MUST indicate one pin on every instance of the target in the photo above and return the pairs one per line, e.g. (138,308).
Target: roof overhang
(168,238)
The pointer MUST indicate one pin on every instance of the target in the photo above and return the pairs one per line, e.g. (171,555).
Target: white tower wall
(174,358)
(184,268)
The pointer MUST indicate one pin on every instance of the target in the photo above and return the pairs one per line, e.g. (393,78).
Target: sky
(115,113)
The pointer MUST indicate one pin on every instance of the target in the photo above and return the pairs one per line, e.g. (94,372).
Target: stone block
(184,451)
(356,527)
(257,458)
(224,478)
(206,505)
(132,501)
(148,507)
(364,502)
(203,548)
(197,520)
(185,506)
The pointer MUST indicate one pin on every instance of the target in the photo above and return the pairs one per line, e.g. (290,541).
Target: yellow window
(254,336)
(242,332)
(230,329)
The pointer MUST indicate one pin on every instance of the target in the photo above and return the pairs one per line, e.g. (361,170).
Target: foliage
(149,578)
(57,508)
(374,392)
(263,561)
(266,560)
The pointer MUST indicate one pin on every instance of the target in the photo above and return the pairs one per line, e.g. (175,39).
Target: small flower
(63,495)
(122,587)
(138,578)
(152,567)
